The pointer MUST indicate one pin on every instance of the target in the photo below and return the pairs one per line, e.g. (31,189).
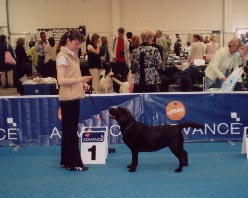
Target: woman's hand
(86,79)
(86,86)
(224,78)
(99,43)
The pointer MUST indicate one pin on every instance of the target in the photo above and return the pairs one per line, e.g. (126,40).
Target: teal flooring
(215,170)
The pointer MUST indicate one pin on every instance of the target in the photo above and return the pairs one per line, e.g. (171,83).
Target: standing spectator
(177,36)
(6,71)
(187,48)
(31,43)
(168,44)
(211,48)
(224,61)
(163,42)
(105,54)
(205,41)
(49,67)
(34,56)
(119,56)
(129,38)
(135,43)
(50,50)
(159,47)
(39,48)
(243,38)
(71,91)
(145,62)
(94,61)
(177,47)
(23,65)
(197,49)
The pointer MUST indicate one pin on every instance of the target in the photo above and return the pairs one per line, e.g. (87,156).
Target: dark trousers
(120,69)
(70,153)
(40,63)
(49,69)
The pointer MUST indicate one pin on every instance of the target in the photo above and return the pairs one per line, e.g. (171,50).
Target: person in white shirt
(224,61)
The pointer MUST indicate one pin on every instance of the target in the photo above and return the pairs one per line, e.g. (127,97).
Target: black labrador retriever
(143,138)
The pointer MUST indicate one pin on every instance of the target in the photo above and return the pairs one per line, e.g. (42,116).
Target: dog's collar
(129,126)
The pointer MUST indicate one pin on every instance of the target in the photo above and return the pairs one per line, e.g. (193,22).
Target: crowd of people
(39,58)
(136,59)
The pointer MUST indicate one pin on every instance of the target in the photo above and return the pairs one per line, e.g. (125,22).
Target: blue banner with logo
(34,120)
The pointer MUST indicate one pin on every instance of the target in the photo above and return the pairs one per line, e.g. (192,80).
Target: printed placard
(94,145)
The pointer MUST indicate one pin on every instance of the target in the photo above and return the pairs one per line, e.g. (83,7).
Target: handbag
(8,58)
(229,84)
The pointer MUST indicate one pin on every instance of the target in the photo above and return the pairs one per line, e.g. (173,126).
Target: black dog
(143,138)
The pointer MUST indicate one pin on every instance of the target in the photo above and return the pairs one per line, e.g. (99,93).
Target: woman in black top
(94,61)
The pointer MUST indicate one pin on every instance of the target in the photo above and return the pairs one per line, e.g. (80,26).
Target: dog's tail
(191,124)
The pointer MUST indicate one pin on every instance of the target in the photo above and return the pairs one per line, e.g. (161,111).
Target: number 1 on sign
(93,152)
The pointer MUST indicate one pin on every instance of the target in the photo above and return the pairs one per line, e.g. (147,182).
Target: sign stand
(94,145)
(245,142)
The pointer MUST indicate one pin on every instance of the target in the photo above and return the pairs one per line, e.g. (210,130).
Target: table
(39,89)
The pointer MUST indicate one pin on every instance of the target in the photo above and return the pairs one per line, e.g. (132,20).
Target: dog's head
(120,114)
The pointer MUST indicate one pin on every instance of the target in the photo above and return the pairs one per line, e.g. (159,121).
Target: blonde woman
(145,62)
(211,48)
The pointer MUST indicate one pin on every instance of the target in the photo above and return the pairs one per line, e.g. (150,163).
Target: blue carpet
(215,170)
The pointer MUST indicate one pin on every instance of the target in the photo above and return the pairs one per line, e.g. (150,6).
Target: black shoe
(79,168)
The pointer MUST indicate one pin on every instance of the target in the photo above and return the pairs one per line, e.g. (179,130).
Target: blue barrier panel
(33,120)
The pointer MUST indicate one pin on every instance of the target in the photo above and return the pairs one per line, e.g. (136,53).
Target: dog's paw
(178,170)
(132,170)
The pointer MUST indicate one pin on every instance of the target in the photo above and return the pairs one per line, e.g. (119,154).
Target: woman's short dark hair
(121,30)
(51,41)
(197,36)
(129,35)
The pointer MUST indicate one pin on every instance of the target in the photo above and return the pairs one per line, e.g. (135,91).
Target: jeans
(208,83)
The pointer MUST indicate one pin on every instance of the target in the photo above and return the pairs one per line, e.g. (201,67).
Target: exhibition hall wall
(105,16)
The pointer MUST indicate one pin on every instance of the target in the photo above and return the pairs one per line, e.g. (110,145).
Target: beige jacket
(196,52)
(75,91)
